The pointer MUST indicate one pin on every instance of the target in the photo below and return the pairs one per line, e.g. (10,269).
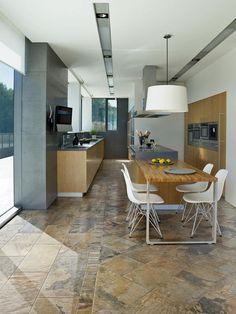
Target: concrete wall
(44,83)
(56,94)
(220,76)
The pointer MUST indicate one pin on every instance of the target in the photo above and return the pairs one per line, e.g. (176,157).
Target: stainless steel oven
(190,134)
(196,132)
(204,131)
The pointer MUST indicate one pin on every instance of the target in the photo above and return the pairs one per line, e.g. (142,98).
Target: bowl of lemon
(162,161)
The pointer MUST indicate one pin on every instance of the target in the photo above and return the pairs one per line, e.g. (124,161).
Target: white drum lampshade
(167,99)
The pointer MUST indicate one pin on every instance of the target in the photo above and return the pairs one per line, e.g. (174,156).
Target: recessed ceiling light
(102,15)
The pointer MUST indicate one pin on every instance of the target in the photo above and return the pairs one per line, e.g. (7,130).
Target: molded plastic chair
(139,199)
(138,188)
(194,187)
(203,202)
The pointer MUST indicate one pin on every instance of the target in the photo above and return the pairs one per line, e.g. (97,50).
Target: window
(6,137)
(99,114)
(104,114)
(111,115)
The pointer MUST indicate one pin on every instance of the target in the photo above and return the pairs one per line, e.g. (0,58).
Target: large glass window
(99,114)
(104,114)
(111,114)
(6,137)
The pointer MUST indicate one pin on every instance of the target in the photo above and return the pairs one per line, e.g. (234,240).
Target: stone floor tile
(19,245)
(40,258)
(54,306)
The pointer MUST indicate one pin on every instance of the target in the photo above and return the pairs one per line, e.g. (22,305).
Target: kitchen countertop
(158,149)
(83,147)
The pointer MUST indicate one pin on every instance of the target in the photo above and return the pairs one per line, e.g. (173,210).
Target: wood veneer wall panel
(211,109)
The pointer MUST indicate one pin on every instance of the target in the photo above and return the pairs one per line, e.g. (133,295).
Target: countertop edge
(80,148)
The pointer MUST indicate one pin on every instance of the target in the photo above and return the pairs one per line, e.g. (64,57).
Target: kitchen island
(158,151)
(77,166)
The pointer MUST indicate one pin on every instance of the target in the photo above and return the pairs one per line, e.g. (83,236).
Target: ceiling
(137,29)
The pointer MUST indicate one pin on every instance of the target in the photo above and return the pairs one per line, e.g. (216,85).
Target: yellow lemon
(153,160)
(168,160)
(161,161)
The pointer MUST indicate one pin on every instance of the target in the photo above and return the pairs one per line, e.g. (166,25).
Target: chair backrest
(130,193)
(221,176)
(203,185)
(128,175)
(208,168)
(126,170)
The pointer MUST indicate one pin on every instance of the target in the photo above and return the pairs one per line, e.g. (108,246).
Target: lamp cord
(167,37)
(167,69)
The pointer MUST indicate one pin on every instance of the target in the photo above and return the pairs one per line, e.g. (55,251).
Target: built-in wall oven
(196,132)
(203,135)
(190,134)
(204,131)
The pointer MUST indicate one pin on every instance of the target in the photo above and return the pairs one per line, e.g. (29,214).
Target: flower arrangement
(142,136)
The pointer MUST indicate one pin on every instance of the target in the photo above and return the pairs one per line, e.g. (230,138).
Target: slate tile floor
(77,257)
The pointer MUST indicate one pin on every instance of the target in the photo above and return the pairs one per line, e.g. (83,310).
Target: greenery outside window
(104,114)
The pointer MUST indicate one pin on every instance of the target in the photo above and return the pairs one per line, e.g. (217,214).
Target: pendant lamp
(167,98)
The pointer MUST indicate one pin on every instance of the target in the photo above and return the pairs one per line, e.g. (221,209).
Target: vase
(141,140)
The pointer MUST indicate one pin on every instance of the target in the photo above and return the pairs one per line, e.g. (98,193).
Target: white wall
(220,76)
(87,114)
(74,100)
(166,131)
(12,45)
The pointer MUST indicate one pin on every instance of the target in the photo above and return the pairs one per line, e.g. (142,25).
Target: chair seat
(153,198)
(198,198)
(194,187)
(139,187)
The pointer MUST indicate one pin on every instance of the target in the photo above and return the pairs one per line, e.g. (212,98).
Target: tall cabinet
(211,109)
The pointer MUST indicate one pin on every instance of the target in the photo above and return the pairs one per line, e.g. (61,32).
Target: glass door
(6,138)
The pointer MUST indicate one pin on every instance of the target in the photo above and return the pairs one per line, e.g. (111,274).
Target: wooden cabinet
(77,168)
(211,109)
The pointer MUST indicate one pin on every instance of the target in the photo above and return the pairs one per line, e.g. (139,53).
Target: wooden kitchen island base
(76,168)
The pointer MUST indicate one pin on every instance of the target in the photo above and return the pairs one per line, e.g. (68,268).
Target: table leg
(214,214)
(147,216)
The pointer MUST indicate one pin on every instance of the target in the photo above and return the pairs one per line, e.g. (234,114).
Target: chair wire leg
(194,223)
(133,215)
(130,209)
(189,212)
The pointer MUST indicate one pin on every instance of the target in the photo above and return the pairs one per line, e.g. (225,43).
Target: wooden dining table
(156,174)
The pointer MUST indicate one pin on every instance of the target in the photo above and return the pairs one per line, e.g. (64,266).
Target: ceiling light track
(104,30)
(230,29)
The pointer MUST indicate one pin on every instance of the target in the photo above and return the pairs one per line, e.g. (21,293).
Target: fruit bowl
(162,162)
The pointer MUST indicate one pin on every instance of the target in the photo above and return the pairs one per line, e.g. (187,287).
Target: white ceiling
(137,29)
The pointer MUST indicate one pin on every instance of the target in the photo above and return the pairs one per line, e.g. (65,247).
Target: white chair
(203,202)
(194,187)
(138,200)
(138,188)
